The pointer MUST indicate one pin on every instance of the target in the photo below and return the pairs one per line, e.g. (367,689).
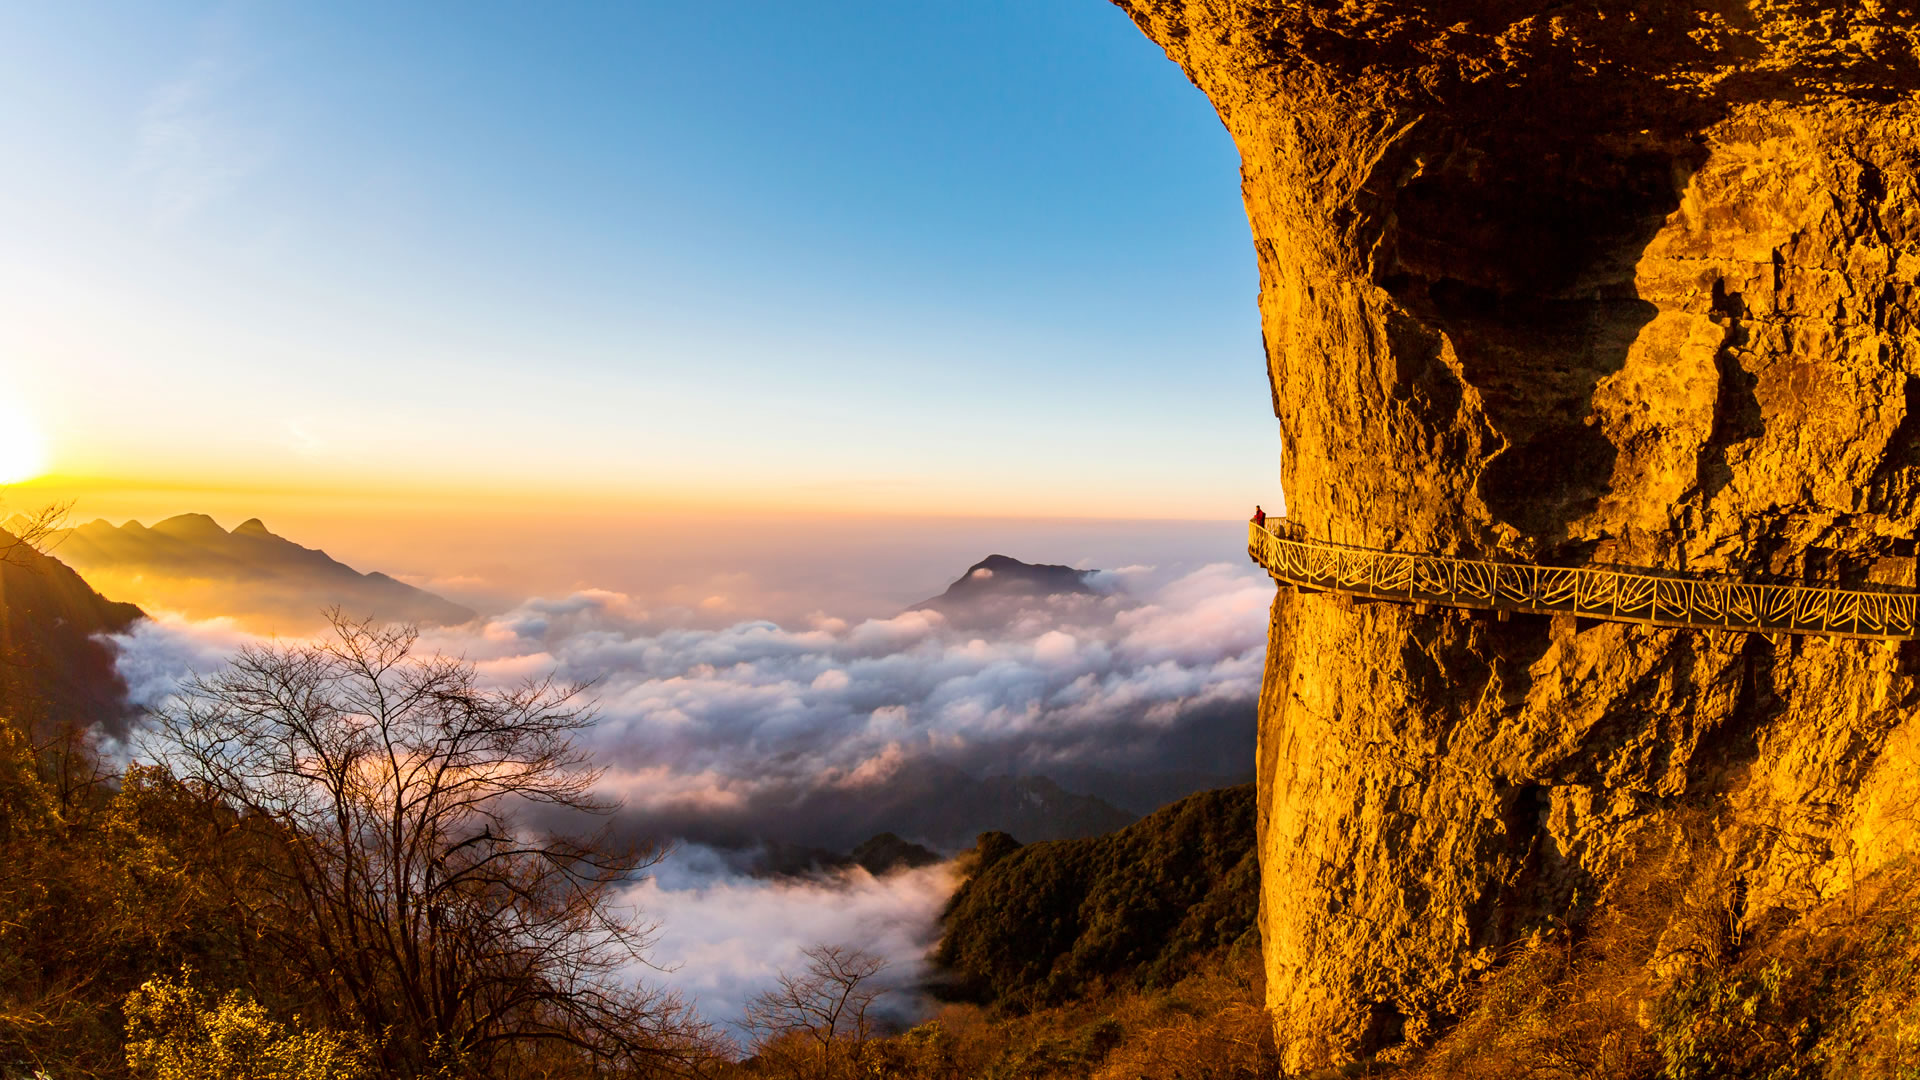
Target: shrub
(175,1031)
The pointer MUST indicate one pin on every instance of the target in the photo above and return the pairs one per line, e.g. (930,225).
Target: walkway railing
(1591,592)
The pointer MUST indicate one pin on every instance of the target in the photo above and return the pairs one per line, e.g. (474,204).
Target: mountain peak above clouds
(191,527)
(1004,572)
(998,586)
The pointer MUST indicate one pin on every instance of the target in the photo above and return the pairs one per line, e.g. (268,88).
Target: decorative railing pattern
(1591,592)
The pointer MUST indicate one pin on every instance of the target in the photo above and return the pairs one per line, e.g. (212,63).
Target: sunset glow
(23,450)
(951,298)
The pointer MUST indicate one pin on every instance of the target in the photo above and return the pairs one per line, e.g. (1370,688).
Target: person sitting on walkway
(1259,516)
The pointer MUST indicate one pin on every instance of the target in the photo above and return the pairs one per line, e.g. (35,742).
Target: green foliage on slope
(1043,923)
(100,889)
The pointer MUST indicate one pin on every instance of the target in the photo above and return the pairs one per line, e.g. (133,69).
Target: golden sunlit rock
(1624,284)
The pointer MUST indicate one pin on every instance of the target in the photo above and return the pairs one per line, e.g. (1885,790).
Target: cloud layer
(719,735)
(724,937)
(753,737)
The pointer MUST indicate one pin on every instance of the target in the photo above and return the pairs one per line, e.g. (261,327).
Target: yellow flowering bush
(176,1031)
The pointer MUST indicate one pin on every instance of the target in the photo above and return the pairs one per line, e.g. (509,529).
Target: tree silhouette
(382,856)
(801,1025)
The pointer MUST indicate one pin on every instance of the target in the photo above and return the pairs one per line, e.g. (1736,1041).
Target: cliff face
(1621,283)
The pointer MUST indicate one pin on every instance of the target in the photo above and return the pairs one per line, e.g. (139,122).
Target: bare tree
(24,534)
(800,1024)
(375,793)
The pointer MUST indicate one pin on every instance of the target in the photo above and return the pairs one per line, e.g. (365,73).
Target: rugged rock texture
(1607,282)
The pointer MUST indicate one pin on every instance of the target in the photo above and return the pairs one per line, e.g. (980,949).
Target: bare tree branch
(382,788)
(22,535)
(801,1025)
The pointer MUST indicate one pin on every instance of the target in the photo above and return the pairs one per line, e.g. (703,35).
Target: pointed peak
(251,527)
(190,525)
(994,565)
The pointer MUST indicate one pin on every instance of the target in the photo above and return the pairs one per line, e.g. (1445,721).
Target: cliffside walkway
(1594,593)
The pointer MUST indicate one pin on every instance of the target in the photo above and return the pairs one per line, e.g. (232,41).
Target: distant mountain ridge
(190,564)
(944,807)
(56,671)
(923,802)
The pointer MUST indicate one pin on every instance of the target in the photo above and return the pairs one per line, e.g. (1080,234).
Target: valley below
(834,783)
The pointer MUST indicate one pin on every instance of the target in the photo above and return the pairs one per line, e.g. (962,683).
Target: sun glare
(23,452)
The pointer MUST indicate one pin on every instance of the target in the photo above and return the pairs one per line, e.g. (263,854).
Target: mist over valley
(1041,701)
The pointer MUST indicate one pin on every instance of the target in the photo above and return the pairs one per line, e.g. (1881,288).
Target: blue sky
(984,258)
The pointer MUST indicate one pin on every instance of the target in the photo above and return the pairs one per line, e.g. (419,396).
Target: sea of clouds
(721,740)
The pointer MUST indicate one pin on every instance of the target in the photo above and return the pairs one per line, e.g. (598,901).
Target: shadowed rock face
(1625,283)
(57,667)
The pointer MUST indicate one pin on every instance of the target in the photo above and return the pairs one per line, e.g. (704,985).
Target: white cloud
(161,651)
(1054,646)
(749,733)
(757,711)
(725,937)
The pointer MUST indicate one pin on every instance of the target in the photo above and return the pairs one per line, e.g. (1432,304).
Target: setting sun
(23,453)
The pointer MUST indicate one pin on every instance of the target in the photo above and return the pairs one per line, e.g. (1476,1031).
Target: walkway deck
(1594,593)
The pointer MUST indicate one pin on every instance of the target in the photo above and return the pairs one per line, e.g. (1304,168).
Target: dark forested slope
(56,673)
(1040,923)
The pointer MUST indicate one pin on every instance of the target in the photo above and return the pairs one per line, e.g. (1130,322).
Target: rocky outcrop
(1612,282)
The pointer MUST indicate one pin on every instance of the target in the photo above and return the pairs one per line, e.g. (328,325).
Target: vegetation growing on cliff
(1673,978)
(103,889)
(1207,1025)
(1669,982)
